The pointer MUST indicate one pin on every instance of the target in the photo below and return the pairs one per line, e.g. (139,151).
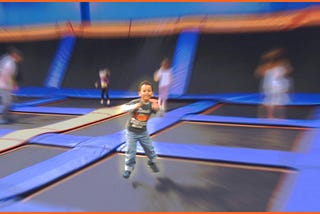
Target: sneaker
(108,102)
(126,174)
(153,166)
(101,102)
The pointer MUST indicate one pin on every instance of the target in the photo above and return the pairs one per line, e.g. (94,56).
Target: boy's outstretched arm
(131,107)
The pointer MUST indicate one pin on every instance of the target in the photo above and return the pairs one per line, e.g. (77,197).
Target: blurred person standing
(8,81)
(275,84)
(164,76)
(103,84)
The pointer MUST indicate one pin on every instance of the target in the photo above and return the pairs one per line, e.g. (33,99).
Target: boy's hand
(155,105)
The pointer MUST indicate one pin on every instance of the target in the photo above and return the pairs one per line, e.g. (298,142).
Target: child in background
(8,82)
(275,83)
(140,109)
(164,77)
(103,83)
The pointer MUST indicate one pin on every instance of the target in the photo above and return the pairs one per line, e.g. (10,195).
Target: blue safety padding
(240,98)
(64,140)
(302,194)
(309,160)
(255,121)
(183,60)
(314,139)
(192,108)
(305,193)
(54,110)
(36,92)
(60,62)
(154,125)
(111,142)
(27,206)
(95,93)
(72,92)
(295,99)
(47,171)
(38,102)
(81,93)
(158,123)
(305,99)
(226,154)
(219,97)
(5,131)
(255,98)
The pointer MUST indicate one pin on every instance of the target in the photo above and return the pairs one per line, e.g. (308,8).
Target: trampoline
(26,156)
(181,186)
(193,176)
(65,151)
(246,110)
(33,120)
(232,136)
(85,103)
(118,123)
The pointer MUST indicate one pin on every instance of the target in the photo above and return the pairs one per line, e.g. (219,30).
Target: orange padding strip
(20,137)
(154,27)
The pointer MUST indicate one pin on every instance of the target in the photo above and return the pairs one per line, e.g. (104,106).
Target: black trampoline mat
(230,135)
(116,124)
(31,120)
(109,126)
(174,104)
(180,186)
(86,103)
(242,110)
(26,156)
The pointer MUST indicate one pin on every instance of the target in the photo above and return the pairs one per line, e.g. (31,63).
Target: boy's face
(146,92)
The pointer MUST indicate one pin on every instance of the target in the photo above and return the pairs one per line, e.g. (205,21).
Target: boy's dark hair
(145,82)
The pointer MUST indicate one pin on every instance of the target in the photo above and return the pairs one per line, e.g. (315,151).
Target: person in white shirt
(8,74)
(164,76)
(275,83)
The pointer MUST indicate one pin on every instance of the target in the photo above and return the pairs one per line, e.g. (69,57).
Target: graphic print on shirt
(139,119)
(104,82)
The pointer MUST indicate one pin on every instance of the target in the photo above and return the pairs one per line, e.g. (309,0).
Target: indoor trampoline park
(221,144)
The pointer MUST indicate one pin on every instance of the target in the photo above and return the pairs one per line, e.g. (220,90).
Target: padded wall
(34,13)
(37,56)
(129,59)
(225,63)
(26,13)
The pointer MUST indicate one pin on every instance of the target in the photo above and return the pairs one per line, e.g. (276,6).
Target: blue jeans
(146,143)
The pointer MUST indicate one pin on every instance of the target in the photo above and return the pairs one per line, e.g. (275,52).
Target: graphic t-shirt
(139,117)
(104,82)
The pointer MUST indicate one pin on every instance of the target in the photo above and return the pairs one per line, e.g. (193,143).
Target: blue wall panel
(26,13)
(143,10)
(29,13)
